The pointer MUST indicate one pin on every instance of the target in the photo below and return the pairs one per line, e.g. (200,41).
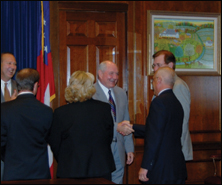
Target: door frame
(55,7)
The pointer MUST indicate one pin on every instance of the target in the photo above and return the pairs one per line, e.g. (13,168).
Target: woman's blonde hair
(80,87)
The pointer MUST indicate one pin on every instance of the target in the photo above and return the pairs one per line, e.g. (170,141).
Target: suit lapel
(116,101)
(2,97)
(100,95)
(13,83)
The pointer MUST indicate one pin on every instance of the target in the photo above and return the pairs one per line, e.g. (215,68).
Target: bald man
(163,161)
(182,92)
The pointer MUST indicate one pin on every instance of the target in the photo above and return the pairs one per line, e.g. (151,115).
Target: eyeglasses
(157,64)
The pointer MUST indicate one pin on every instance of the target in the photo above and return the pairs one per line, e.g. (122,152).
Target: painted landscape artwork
(191,40)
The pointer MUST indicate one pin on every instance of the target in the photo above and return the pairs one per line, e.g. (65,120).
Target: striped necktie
(112,104)
(6,93)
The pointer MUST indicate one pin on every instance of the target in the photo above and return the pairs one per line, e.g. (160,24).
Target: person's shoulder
(180,81)
(4,105)
(100,103)
(164,96)
(13,81)
(119,90)
(96,85)
(8,103)
(43,106)
(63,107)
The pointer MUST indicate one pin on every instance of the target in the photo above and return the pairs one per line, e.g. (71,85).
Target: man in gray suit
(8,68)
(182,92)
(108,75)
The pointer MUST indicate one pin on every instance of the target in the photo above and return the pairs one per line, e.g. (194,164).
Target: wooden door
(86,38)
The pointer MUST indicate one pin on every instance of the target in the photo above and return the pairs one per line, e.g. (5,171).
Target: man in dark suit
(163,161)
(182,92)
(8,86)
(25,123)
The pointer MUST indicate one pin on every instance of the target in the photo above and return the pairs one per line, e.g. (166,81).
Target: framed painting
(193,38)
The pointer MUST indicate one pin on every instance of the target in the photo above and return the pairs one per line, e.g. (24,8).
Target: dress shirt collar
(8,85)
(3,82)
(26,92)
(105,90)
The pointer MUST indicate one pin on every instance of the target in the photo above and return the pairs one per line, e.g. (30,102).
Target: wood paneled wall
(205,116)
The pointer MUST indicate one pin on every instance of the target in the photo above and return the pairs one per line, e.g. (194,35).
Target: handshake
(125,128)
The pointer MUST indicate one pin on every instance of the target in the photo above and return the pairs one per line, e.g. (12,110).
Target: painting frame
(175,31)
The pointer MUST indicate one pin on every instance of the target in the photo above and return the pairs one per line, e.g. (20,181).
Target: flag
(46,90)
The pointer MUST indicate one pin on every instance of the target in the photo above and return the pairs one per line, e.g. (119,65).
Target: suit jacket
(25,124)
(182,92)
(80,139)
(14,87)
(163,157)
(124,143)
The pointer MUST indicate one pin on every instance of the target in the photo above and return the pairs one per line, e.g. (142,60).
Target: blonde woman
(82,132)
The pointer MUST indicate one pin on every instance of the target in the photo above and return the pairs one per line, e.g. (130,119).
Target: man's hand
(143,174)
(124,128)
(130,157)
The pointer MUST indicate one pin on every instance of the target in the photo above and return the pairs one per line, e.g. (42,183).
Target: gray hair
(167,74)
(103,65)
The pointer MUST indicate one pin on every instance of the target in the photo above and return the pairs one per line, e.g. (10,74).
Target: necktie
(7,94)
(112,104)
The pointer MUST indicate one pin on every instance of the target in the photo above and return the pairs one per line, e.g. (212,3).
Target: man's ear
(100,74)
(170,65)
(159,79)
(35,88)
